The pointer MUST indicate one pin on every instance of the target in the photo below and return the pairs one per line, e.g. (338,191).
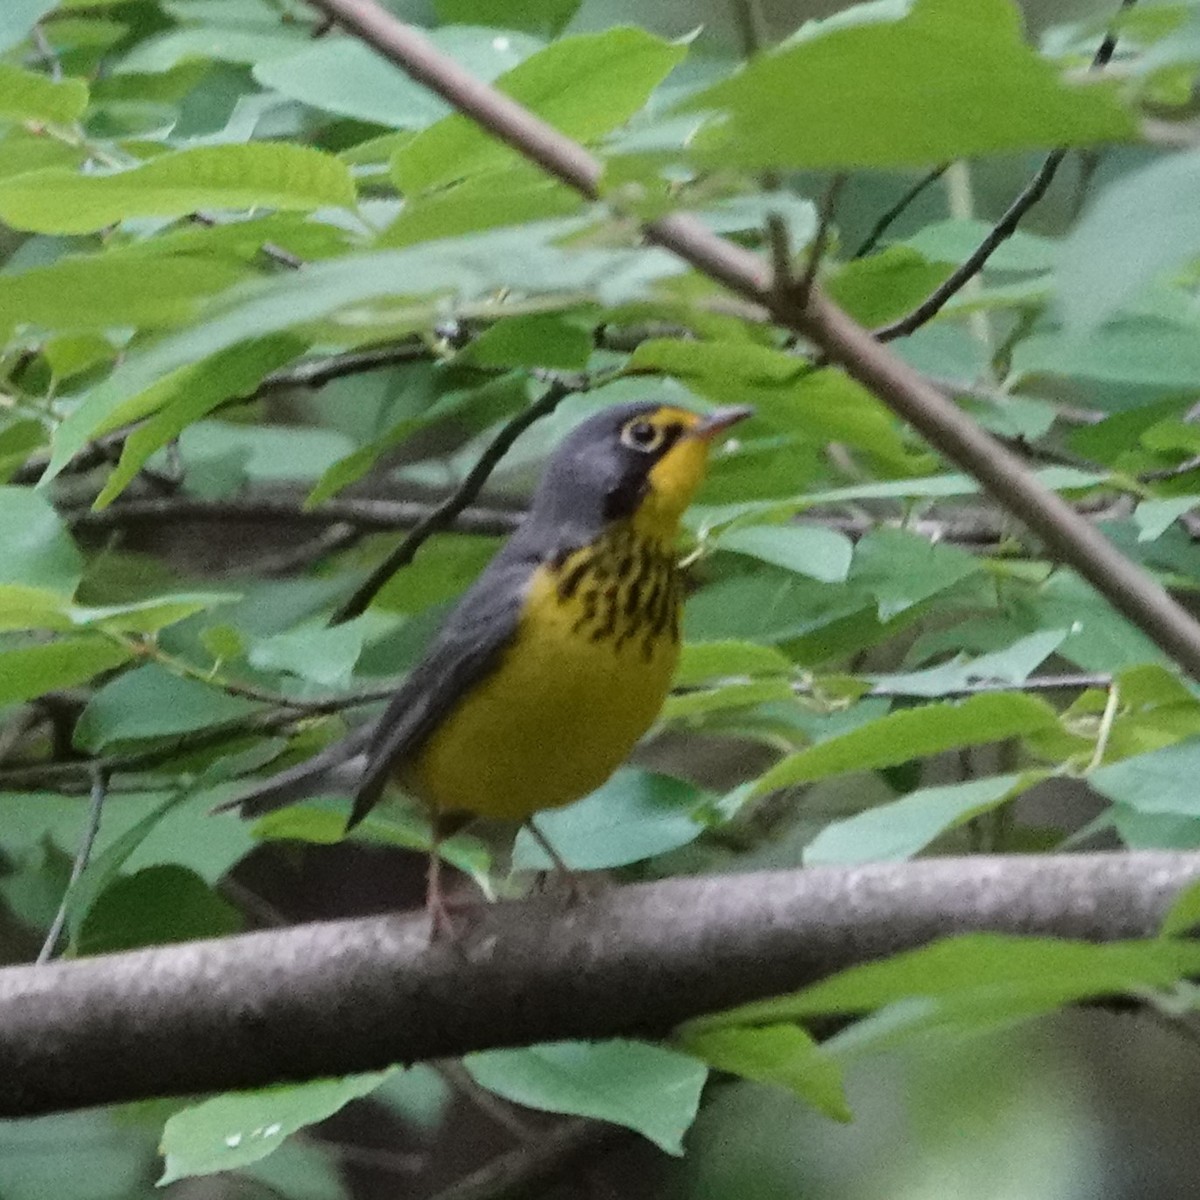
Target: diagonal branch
(343,996)
(460,499)
(1129,589)
(893,214)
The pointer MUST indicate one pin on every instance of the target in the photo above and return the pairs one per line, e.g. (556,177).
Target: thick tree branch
(1129,589)
(336,997)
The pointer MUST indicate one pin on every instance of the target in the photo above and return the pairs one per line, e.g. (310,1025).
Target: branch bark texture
(1129,589)
(328,999)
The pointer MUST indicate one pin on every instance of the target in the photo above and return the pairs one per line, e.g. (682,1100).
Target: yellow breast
(582,680)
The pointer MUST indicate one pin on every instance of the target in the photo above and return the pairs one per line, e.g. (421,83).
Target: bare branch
(364,514)
(1129,589)
(539,1164)
(342,996)
(86,841)
(891,215)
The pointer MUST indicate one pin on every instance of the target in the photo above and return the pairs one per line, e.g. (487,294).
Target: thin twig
(46,52)
(82,855)
(364,514)
(779,246)
(1111,705)
(924,312)
(816,249)
(272,250)
(440,517)
(495,1108)
(891,215)
(518,1172)
(61,773)
(1033,191)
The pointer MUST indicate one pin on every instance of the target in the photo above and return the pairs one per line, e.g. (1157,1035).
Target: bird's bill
(719,420)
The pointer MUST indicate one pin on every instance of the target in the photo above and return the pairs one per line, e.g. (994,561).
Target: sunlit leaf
(274,175)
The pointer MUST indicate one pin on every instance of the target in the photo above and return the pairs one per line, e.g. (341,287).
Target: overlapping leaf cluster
(202,200)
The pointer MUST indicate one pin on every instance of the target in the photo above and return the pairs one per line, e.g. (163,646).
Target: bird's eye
(642,435)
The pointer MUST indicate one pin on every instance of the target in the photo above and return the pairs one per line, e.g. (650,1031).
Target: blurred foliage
(252,272)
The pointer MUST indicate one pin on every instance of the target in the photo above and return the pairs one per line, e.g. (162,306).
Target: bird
(557,660)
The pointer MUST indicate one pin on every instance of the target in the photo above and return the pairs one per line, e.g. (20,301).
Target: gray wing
(467,647)
(466,650)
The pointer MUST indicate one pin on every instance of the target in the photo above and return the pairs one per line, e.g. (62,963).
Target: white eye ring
(642,435)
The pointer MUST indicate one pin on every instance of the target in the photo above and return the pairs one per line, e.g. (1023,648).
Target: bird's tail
(336,769)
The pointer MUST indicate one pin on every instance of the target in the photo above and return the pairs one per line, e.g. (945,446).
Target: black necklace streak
(629,591)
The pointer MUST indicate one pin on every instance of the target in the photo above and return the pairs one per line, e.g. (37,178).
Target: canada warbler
(556,661)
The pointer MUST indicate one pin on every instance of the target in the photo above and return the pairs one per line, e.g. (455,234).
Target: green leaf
(855,91)
(1013,664)
(697,704)
(25,96)
(649,1089)
(250,44)
(187,395)
(103,291)
(150,702)
(914,733)
(905,827)
(390,827)
(810,550)
(1141,352)
(536,340)
(524,258)
(227,1132)
(1140,226)
(544,17)
(901,569)
(783,1055)
(167,903)
(786,393)
(703,661)
(1163,781)
(1184,913)
(584,86)
(272,175)
(885,286)
(146,616)
(1006,976)
(35,550)
(634,816)
(341,75)
(322,654)
(1154,517)
(31,671)
(103,867)
(510,196)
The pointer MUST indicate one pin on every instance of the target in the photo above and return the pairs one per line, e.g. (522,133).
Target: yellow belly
(582,681)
